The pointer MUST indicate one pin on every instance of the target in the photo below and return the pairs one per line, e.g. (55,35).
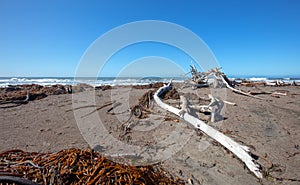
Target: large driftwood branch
(233,89)
(242,152)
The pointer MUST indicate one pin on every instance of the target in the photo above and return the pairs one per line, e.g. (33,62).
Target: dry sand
(270,127)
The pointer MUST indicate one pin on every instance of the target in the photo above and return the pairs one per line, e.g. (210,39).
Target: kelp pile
(75,166)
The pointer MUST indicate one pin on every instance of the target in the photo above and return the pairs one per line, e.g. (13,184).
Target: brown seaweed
(75,166)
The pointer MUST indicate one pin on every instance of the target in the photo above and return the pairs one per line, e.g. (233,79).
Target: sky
(49,38)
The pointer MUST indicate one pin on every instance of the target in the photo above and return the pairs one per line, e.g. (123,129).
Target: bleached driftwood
(184,105)
(27,97)
(280,93)
(230,103)
(227,102)
(242,152)
(275,93)
(233,89)
(219,78)
(216,107)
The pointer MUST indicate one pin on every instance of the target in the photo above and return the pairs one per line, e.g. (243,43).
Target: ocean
(99,81)
(6,81)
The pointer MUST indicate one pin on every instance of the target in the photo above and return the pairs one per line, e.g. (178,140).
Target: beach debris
(113,104)
(18,101)
(275,83)
(241,151)
(103,87)
(75,166)
(275,94)
(97,108)
(15,93)
(148,86)
(251,83)
(81,87)
(145,104)
(214,107)
(140,110)
(294,83)
(201,78)
(220,80)
(18,94)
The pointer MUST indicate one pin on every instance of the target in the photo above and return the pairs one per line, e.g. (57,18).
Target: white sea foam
(258,79)
(4,82)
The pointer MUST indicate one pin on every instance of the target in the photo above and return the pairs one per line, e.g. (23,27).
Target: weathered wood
(184,105)
(218,77)
(216,107)
(242,152)
(235,90)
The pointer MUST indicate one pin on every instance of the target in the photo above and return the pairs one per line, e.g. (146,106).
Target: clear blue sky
(248,37)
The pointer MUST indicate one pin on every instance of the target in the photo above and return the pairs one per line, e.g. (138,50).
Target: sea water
(99,81)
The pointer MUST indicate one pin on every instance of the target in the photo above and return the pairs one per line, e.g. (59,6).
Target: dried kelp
(75,166)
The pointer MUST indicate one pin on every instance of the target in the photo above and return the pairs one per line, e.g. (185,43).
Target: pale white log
(280,93)
(239,150)
(230,103)
(271,83)
(233,89)
(202,108)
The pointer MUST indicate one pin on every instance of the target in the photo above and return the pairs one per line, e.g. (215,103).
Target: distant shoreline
(112,81)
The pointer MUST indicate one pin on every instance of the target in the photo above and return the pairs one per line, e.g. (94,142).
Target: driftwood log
(241,151)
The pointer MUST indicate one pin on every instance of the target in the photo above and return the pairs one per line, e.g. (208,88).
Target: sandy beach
(269,126)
